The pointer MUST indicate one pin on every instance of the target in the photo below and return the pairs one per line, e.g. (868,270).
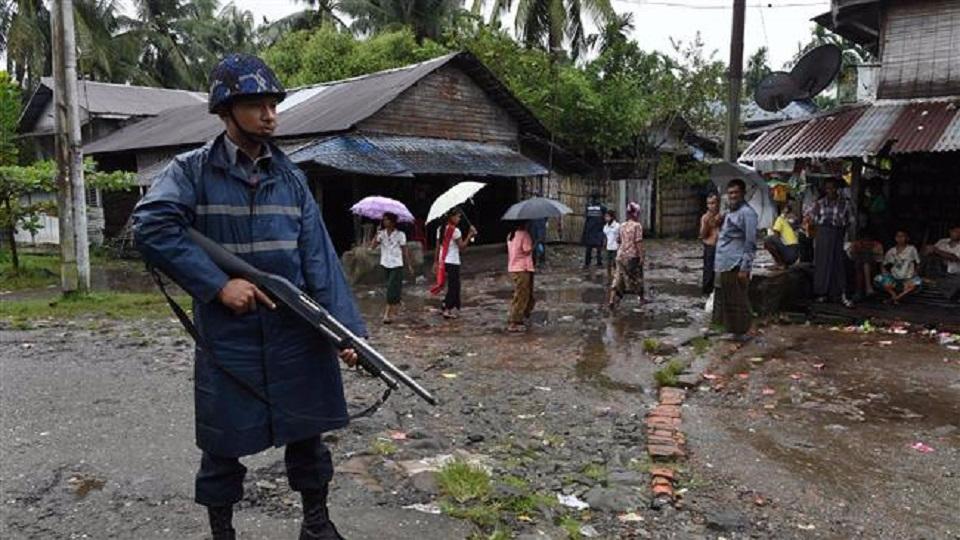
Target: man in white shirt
(948,250)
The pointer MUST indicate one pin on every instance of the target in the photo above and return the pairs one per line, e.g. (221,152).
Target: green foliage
(9,113)
(672,170)
(667,375)
(700,345)
(325,54)
(463,481)
(758,67)
(34,272)
(572,526)
(384,447)
(650,345)
(595,472)
(19,185)
(111,305)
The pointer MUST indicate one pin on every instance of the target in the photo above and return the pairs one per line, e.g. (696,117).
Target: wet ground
(98,442)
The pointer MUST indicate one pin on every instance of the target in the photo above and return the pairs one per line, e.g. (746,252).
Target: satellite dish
(816,70)
(776,91)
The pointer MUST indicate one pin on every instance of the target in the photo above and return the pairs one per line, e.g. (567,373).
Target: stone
(688,380)
(425,482)
(614,499)
(474,438)
(725,521)
(626,478)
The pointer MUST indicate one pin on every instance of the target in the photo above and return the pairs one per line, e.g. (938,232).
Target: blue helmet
(241,75)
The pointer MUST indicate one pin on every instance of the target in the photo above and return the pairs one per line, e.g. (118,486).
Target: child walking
(612,231)
(392,243)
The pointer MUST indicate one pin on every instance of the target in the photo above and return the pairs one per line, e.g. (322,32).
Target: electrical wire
(726,6)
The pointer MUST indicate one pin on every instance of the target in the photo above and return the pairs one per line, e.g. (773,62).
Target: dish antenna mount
(812,74)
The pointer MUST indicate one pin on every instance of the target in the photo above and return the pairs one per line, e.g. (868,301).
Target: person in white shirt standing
(450,242)
(392,243)
(612,231)
(948,249)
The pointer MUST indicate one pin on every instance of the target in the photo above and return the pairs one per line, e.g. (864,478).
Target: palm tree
(549,23)
(322,12)
(26,27)
(427,18)
(616,32)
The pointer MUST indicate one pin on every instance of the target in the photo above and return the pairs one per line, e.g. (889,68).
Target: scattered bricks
(665,491)
(661,441)
(660,481)
(664,451)
(662,421)
(663,433)
(670,411)
(671,396)
(663,472)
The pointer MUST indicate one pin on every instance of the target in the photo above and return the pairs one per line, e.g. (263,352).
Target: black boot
(316,521)
(221,522)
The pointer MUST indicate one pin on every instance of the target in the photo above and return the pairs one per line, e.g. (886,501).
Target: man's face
(734,195)
(256,115)
(955,234)
(713,204)
(830,188)
(901,238)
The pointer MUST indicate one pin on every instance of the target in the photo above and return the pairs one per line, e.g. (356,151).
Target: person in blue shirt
(263,377)
(593,238)
(736,247)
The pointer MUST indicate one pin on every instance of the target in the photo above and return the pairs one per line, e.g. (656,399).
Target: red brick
(671,396)
(660,481)
(662,421)
(663,490)
(658,450)
(670,411)
(664,472)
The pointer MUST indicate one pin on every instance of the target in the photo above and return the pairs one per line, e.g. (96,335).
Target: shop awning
(408,156)
(899,127)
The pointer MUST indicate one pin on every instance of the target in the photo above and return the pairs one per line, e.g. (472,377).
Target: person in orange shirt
(520,266)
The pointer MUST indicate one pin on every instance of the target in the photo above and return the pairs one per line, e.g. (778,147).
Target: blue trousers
(219,481)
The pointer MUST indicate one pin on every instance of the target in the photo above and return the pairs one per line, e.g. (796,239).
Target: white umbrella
(758,192)
(452,198)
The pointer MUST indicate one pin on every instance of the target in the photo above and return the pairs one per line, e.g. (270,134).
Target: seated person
(900,269)
(866,254)
(782,242)
(948,250)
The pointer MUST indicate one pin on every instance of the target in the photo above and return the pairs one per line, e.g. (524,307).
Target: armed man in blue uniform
(263,377)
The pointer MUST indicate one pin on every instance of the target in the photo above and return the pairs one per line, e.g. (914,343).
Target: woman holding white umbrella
(451,242)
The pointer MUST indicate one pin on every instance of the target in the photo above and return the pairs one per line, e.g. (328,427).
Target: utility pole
(735,79)
(71,193)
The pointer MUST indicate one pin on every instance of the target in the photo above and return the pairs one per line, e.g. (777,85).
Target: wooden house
(408,133)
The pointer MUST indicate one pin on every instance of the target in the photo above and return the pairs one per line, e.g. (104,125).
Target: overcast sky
(777,24)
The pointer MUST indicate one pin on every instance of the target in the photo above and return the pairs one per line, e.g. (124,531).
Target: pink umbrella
(375,207)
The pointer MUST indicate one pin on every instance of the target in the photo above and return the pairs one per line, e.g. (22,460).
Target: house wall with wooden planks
(920,40)
(680,208)
(446,104)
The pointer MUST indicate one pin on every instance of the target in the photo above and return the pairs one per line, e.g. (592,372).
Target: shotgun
(287,294)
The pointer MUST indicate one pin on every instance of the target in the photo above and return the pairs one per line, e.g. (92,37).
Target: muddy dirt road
(98,437)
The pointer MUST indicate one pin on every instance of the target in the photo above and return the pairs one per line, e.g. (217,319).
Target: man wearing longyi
(263,376)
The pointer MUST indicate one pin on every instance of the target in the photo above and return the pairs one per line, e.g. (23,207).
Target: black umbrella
(535,208)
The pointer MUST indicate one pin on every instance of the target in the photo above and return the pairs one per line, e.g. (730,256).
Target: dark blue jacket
(276,226)
(593,225)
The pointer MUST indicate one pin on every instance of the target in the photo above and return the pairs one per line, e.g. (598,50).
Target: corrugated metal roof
(899,126)
(772,141)
(106,99)
(868,135)
(408,156)
(950,140)
(819,135)
(920,126)
(327,108)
